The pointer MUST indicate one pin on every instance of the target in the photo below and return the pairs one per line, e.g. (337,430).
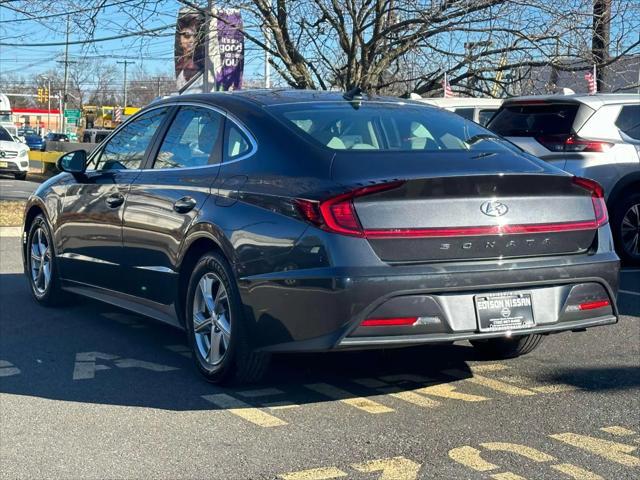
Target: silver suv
(593,136)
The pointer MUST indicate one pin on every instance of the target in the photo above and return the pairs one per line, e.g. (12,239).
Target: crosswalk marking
(314,474)
(619,431)
(446,390)
(244,410)
(491,383)
(523,450)
(614,451)
(347,398)
(575,472)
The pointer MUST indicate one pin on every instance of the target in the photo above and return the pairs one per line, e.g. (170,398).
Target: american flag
(446,87)
(592,81)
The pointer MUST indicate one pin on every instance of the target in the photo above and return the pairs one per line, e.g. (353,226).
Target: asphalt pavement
(12,189)
(90,391)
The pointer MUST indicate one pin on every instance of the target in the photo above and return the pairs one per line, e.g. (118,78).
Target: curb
(10,232)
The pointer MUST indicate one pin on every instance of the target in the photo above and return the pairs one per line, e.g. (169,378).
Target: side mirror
(73,162)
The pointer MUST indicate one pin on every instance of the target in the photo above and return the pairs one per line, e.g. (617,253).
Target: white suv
(14,156)
(593,136)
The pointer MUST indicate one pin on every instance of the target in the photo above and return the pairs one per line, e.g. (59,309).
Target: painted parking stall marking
(244,410)
(361,403)
(8,369)
(480,459)
(86,364)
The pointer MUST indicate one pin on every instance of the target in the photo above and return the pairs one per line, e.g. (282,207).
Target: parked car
(54,137)
(594,136)
(14,156)
(95,135)
(479,110)
(280,221)
(35,142)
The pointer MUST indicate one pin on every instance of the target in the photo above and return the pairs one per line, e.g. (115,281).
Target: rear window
(532,120)
(386,127)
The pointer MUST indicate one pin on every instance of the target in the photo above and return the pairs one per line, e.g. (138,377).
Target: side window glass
(126,149)
(465,113)
(236,142)
(629,121)
(191,140)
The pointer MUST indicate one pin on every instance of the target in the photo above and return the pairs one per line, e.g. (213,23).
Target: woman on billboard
(189,46)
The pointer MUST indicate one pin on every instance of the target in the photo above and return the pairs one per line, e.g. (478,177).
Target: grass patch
(11,214)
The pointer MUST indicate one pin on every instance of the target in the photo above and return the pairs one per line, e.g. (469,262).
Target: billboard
(189,47)
(225,48)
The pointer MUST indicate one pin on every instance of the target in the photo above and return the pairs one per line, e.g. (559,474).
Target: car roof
(470,102)
(594,101)
(271,97)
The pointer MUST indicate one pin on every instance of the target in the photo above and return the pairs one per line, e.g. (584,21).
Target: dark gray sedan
(282,221)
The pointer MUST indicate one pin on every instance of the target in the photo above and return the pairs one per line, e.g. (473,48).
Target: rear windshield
(530,120)
(386,126)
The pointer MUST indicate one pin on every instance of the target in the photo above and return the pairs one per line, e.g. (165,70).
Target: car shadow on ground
(90,352)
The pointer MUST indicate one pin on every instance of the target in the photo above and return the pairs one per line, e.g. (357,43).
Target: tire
(233,361)
(501,348)
(20,176)
(48,293)
(626,216)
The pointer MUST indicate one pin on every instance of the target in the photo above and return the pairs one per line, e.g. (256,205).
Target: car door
(166,197)
(90,228)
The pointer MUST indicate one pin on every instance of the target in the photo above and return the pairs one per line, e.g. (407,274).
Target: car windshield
(386,127)
(529,120)
(5,136)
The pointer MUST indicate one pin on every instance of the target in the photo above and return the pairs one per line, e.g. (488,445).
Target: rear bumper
(322,309)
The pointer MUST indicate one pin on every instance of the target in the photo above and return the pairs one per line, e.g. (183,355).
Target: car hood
(15,146)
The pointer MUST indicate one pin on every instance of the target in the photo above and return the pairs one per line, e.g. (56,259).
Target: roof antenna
(354,97)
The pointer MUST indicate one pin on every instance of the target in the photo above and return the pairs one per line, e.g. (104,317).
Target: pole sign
(189,45)
(226,49)
(72,114)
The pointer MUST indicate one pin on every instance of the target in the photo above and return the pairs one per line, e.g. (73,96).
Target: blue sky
(153,53)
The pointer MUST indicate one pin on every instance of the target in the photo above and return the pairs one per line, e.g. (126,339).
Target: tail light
(389,322)
(572,143)
(597,199)
(338,214)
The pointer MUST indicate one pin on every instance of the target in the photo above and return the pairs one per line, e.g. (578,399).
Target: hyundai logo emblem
(494,208)
(2,154)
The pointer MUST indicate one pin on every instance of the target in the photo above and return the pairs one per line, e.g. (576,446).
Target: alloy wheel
(631,230)
(211,319)
(40,251)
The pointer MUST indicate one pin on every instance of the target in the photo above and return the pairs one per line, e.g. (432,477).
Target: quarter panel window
(236,142)
(629,121)
(126,149)
(192,139)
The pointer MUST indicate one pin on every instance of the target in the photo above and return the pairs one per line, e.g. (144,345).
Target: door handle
(115,200)
(184,205)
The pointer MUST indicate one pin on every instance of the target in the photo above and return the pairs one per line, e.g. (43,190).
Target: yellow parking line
(491,383)
(487,367)
(620,431)
(347,398)
(507,476)
(395,468)
(446,390)
(314,474)
(614,451)
(555,388)
(576,472)
(528,452)
(415,399)
(244,410)
(470,457)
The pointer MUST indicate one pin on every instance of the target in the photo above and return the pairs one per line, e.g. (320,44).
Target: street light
(44,77)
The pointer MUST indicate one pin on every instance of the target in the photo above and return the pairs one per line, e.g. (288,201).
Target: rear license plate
(4,164)
(504,311)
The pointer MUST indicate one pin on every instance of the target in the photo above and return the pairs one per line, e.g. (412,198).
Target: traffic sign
(72,114)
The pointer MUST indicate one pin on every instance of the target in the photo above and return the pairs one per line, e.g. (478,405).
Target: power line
(93,40)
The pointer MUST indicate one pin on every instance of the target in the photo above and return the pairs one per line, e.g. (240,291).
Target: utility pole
(601,38)
(66,74)
(125,62)
(267,67)
(207,47)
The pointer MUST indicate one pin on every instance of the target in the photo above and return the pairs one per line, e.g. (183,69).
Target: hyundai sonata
(281,221)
